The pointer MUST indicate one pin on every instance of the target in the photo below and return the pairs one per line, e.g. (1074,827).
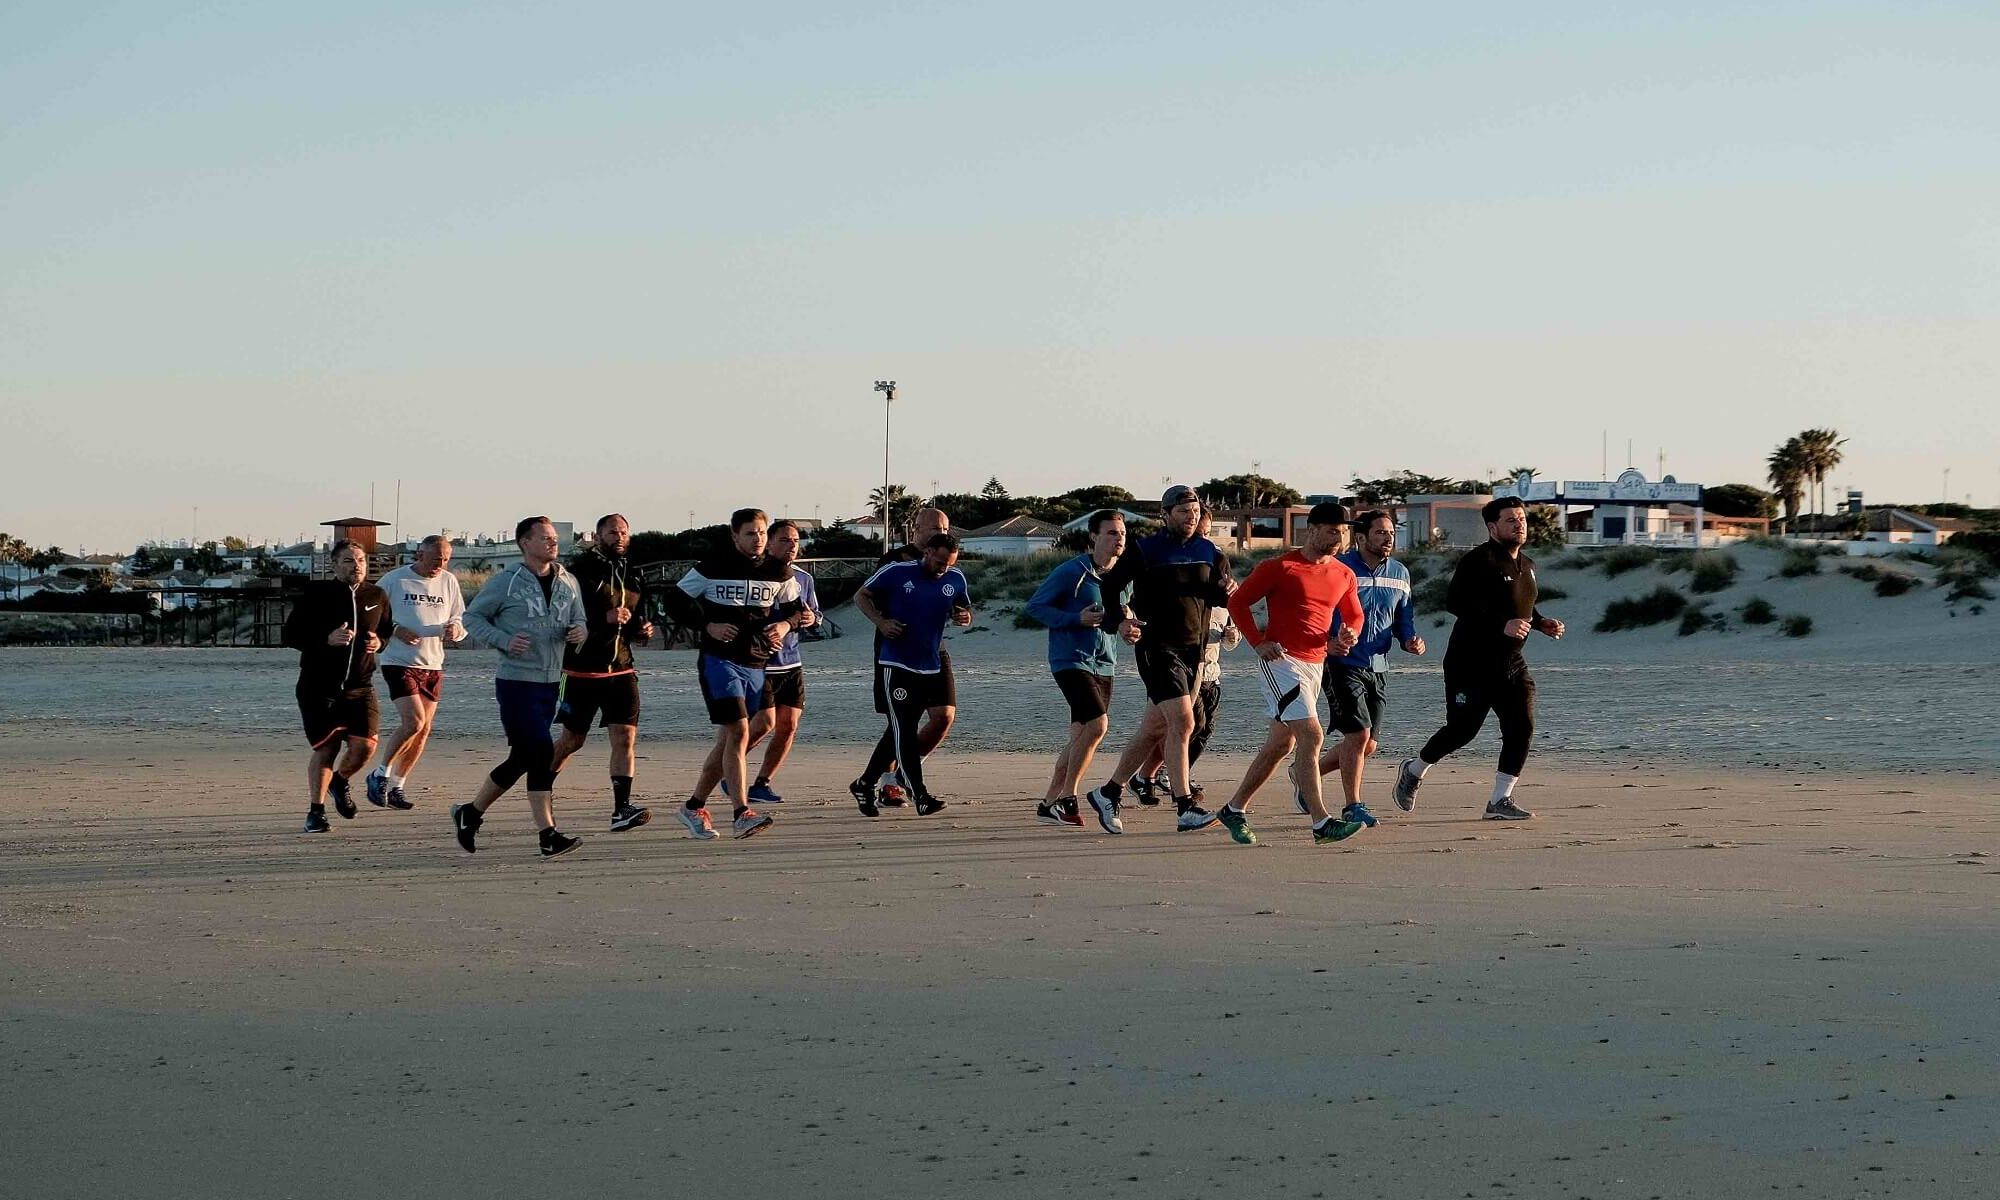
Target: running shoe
(1299,798)
(629,816)
(927,804)
(1333,829)
(762,794)
(1195,817)
(864,797)
(1506,810)
(1106,808)
(697,822)
(343,801)
(751,821)
(1196,792)
(1142,790)
(555,842)
(1358,811)
(892,791)
(1407,783)
(378,787)
(397,799)
(1237,824)
(316,820)
(1162,786)
(1062,811)
(465,821)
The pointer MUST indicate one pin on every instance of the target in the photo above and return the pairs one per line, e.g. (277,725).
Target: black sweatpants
(908,694)
(1468,697)
(1206,702)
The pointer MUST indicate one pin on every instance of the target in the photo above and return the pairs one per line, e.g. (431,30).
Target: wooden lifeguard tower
(360,531)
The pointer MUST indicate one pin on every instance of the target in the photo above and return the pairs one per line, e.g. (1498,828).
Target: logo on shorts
(1459,699)
(900,694)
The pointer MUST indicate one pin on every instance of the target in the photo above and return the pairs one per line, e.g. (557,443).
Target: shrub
(1674,564)
(1894,583)
(1865,572)
(1714,570)
(1799,561)
(1430,597)
(1621,559)
(1796,625)
(1660,604)
(1758,611)
(1550,593)
(1969,589)
(1694,619)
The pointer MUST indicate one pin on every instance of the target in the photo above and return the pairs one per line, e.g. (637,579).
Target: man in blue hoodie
(1083,657)
(1356,683)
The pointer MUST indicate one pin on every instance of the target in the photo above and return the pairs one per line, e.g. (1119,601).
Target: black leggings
(1205,703)
(1466,703)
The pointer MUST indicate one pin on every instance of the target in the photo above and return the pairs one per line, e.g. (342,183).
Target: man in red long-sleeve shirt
(1302,591)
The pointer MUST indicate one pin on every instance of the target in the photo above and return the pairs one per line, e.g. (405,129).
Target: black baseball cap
(1328,514)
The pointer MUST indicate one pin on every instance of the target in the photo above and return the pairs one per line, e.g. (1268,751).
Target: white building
(1014,537)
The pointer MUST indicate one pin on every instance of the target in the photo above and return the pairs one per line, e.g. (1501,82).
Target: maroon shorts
(414,681)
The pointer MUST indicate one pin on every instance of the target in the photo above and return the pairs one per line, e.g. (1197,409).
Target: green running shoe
(1333,829)
(1237,824)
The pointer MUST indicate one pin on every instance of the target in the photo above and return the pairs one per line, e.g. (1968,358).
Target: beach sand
(1678,981)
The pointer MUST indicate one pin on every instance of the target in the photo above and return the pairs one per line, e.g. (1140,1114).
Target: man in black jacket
(337,626)
(598,676)
(1493,596)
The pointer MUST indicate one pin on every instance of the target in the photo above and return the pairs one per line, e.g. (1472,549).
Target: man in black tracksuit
(927,524)
(1493,596)
(600,682)
(337,626)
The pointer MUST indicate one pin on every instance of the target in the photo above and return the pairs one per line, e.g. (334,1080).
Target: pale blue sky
(652,257)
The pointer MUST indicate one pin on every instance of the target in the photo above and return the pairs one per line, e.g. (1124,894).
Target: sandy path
(1670,985)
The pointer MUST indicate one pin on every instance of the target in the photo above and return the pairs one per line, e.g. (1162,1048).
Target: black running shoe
(1507,810)
(927,804)
(1142,790)
(316,820)
(465,821)
(864,797)
(627,816)
(555,842)
(397,799)
(1407,783)
(342,802)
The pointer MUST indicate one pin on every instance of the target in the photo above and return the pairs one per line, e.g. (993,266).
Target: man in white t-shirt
(425,603)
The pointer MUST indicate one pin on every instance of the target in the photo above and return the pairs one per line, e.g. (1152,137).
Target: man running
(929,522)
(1493,596)
(1083,657)
(427,608)
(785,675)
(1151,782)
(1357,682)
(1302,591)
(910,604)
(598,675)
(744,603)
(1176,576)
(527,612)
(337,627)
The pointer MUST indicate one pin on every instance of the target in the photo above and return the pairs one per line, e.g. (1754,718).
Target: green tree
(1820,454)
(902,511)
(1098,495)
(994,489)
(1399,487)
(1739,500)
(234,544)
(42,560)
(1545,527)
(1248,491)
(1785,467)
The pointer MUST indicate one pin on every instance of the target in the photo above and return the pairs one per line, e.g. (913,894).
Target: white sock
(1421,768)
(394,781)
(1503,786)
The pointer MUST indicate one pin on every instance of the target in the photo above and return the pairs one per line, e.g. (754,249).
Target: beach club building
(1633,511)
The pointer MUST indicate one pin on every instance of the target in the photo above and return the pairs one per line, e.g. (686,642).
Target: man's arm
(1248,593)
(1045,605)
(297,636)
(479,614)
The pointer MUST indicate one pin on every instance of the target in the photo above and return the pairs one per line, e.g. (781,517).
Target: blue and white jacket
(1387,605)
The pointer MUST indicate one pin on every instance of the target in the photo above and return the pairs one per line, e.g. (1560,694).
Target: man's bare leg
(783,726)
(1177,715)
(1143,745)
(1084,737)
(1278,742)
(319,772)
(567,743)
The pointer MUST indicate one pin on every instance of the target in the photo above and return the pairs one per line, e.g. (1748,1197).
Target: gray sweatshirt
(511,603)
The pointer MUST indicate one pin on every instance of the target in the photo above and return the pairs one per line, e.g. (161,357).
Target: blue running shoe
(378,788)
(1358,811)
(761,793)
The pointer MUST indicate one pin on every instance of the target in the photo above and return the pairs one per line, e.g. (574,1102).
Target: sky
(258,258)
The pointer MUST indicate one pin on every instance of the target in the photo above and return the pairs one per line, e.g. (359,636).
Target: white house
(1131,519)
(1016,536)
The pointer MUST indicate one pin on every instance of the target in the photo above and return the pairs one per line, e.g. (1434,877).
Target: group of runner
(564,635)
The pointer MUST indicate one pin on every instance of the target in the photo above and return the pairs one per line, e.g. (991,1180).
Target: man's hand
(807,618)
(1344,639)
(1552,627)
(405,635)
(454,632)
(1229,586)
(520,644)
(1129,629)
(1519,627)
(373,644)
(890,628)
(1413,645)
(1270,651)
(575,635)
(1091,617)
(720,632)
(961,617)
(775,634)
(1232,637)
(619,615)
(645,631)
(340,636)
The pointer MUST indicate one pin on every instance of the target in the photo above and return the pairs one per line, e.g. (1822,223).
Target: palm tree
(1821,454)
(900,512)
(1787,473)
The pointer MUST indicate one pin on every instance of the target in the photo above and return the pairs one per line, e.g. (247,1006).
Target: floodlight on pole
(888,389)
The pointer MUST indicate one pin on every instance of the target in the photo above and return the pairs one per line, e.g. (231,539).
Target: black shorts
(913,689)
(329,718)
(585,696)
(1354,697)
(414,681)
(1088,693)
(785,689)
(1168,671)
(947,687)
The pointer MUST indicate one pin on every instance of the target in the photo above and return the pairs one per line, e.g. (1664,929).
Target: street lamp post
(888,389)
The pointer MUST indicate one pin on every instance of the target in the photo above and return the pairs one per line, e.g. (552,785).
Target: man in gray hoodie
(527,612)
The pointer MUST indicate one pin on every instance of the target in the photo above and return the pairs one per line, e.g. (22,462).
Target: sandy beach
(1673,983)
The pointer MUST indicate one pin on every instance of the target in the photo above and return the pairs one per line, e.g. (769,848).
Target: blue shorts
(732,691)
(527,709)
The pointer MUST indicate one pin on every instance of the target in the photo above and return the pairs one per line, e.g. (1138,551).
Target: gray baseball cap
(1180,493)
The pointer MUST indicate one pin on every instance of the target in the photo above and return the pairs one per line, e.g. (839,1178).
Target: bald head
(929,523)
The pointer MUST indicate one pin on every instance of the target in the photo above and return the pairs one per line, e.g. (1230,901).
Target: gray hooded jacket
(511,603)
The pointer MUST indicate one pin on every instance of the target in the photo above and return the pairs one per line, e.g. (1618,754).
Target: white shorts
(1291,687)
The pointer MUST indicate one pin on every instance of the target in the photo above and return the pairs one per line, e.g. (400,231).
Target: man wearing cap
(1302,591)
(1176,576)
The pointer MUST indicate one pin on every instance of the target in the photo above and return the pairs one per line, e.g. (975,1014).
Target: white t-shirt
(425,607)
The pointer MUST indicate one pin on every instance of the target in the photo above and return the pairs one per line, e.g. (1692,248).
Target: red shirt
(1300,600)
